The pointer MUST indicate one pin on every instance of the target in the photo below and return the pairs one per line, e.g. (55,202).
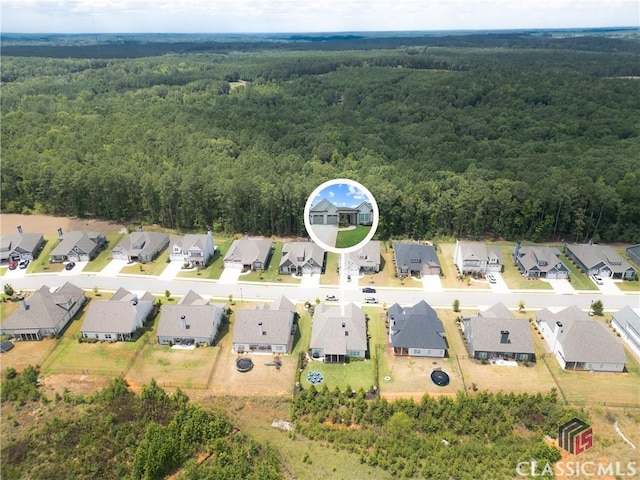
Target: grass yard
(450,272)
(271,274)
(214,269)
(41,264)
(349,238)
(24,354)
(386,276)
(579,280)
(513,277)
(154,268)
(629,286)
(331,275)
(8,307)
(104,257)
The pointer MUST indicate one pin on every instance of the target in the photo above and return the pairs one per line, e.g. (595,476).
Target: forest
(519,136)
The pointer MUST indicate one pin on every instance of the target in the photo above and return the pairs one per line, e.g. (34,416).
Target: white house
(627,323)
(477,258)
(193,249)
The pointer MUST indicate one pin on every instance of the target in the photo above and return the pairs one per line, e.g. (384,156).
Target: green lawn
(629,286)
(104,257)
(41,264)
(154,268)
(579,280)
(214,269)
(271,274)
(349,238)
(513,277)
(331,275)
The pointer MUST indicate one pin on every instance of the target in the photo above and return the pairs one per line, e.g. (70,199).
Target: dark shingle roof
(416,327)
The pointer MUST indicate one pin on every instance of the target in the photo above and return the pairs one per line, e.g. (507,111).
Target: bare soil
(49,225)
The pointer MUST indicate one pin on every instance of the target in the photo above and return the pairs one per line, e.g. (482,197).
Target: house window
(107,336)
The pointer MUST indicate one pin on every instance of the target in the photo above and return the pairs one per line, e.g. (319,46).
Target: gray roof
(416,327)
(542,258)
(323,205)
(23,242)
(415,255)
(628,318)
(367,256)
(281,303)
(86,241)
(145,243)
(593,255)
(45,308)
(302,253)
(246,251)
(583,339)
(486,334)
(328,333)
(479,251)
(270,324)
(191,241)
(499,310)
(117,314)
(200,319)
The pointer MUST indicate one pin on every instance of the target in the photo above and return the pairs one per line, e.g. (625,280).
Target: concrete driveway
(327,234)
(500,286)
(560,286)
(171,270)
(310,280)
(230,276)
(432,283)
(75,270)
(17,273)
(112,269)
(609,286)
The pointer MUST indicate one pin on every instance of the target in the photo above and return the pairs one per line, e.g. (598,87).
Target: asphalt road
(405,296)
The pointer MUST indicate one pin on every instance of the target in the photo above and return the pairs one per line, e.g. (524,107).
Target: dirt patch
(76,384)
(415,396)
(49,225)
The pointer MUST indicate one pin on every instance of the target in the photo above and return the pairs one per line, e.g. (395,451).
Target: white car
(370,300)
(331,298)
(596,279)
(491,277)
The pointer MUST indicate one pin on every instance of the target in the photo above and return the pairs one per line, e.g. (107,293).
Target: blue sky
(341,195)
(266,16)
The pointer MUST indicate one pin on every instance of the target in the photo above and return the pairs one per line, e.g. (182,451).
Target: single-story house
(496,333)
(627,323)
(600,260)
(302,257)
(249,254)
(335,336)
(78,246)
(45,312)
(20,246)
(266,329)
(194,249)
(117,318)
(540,262)
(477,258)
(633,253)
(416,331)
(326,213)
(580,342)
(364,260)
(140,246)
(415,259)
(192,321)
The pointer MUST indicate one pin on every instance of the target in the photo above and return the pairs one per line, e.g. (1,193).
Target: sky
(277,16)
(341,195)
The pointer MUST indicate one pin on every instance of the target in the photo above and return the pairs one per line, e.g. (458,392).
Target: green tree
(597,308)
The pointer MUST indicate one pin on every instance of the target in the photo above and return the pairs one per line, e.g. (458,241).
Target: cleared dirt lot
(24,354)
(49,225)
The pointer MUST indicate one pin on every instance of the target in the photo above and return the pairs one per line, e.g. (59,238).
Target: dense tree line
(532,139)
(467,437)
(118,434)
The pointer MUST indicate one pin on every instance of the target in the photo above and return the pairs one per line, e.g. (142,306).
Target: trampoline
(6,346)
(244,364)
(440,378)
(315,378)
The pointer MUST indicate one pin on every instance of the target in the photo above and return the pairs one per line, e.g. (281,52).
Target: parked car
(370,300)
(596,279)
(368,290)
(13,264)
(331,298)
(69,266)
(23,264)
(492,278)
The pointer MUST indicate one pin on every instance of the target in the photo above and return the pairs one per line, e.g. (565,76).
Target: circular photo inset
(341,216)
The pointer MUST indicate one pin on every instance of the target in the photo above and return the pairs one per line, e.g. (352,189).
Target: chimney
(59,233)
(504,336)
(140,228)
(183,319)
(20,229)
(590,241)
(260,328)
(23,304)
(344,325)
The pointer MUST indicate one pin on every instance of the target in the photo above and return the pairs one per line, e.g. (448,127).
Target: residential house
(580,342)
(627,323)
(266,329)
(633,253)
(326,213)
(78,246)
(193,249)
(415,259)
(337,334)
(20,246)
(474,258)
(540,262)
(416,331)
(364,260)
(496,333)
(601,260)
(117,318)
(140,246)
(249,254)
(44,313)
(192,321)
(302,257)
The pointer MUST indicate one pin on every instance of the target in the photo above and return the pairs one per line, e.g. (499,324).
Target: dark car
(69,266)
(331,298)
(368,290)
(23,264)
